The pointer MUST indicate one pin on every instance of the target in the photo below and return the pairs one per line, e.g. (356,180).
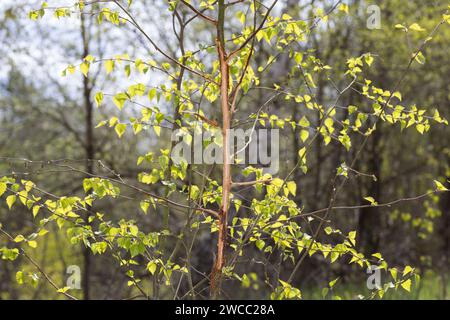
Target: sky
(43,49)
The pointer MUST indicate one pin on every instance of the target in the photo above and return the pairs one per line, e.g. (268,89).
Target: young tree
(218,72)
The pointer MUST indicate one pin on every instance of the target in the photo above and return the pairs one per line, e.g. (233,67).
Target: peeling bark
(216,274)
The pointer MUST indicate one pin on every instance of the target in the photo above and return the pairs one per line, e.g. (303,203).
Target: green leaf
(63,290)
(352,237)
(303,122)
(134,230)
(292,187)
(343,7)
(332,283)
(194,192)
(377,255)
(393,272)
(398,95)
(99,247)
(136,249)
(241,16)
(71,69)
(159,117)
(144,206)
(137,127)
(304,134)
(420,58)
(407,270)
(260,244)
(32,244)
(151,267)
(371,200)
(120,129)
(406,285)
(285,16)
(19,277)
(439,186)
(35,210)
(302,152)
(298,57)
(420,128)
(2,188)
(101,124)
(10,254)
(334,255)
(19,238)
(113,121)
(416,27)
(99,98)
(119,99)
(369,59)
(151,94)
(109,66)
(329,122)
(84,68)
(157,130)
(42,232)
(10,200)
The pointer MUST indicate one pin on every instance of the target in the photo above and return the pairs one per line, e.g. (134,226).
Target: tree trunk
(89,153)
(216,274)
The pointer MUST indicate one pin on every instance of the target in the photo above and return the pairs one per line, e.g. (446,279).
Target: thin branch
(209,19)
(36,265)
(246,41)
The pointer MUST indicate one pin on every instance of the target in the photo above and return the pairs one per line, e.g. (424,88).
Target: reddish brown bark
(216,274)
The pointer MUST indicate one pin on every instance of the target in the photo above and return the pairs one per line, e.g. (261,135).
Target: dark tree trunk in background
(369,224)
(444,230)
(89,152)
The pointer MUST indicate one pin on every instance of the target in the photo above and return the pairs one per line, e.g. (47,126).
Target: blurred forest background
(46,118)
